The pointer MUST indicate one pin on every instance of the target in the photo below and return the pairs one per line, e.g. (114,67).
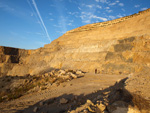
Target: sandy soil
(78,88)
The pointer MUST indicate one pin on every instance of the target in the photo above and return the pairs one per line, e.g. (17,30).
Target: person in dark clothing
(95,71)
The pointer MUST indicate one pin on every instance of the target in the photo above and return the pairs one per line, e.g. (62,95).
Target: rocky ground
(69,91)
(59,95)
(12,87)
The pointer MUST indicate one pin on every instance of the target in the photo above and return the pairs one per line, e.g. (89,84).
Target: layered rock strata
(117,46)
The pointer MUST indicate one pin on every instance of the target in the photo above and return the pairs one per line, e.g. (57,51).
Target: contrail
(41,20)
(36,16)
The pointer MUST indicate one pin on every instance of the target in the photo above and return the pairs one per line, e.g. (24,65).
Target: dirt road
(86,85)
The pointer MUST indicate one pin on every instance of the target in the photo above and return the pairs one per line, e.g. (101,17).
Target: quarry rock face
(9,57)
(120,46)
(112,47)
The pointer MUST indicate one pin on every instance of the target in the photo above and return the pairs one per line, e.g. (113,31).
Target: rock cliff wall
(117,46)
(9,57)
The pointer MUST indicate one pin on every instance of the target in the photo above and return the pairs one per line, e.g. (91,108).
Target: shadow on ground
(108,96)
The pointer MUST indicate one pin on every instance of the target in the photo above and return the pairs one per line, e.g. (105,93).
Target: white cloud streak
(41,20)
(100,18)
(102,1)
(112,17)
(121,4)
(117,1)
(51,19)
(109,11)
(90,6)
(120,16)
(123,10)
(144,8)
(98,6)
(107,7)
(73,13)
(136,6)
(87,17)
(112,4)
(6,7)
(79,8)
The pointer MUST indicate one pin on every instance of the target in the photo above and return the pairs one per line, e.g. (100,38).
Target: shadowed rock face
(9,57)
(118,46)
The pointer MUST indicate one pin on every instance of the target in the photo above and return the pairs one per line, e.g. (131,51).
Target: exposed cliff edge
(107,23)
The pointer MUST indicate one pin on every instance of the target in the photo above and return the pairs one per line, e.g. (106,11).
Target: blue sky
(29,24)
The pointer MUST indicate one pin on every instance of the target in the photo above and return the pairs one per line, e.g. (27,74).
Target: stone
(70,70)
(100,88)
(46,74)
(63,101)
(136,110)
(55,84)
(101,107)
(85,111)
(65,77)
(79,72)
(66,70)
(62,72)
(89,102)
(51,73)
(90,109)
(41,103)
(73,76)
(98,102)
(35,109)
(59,75)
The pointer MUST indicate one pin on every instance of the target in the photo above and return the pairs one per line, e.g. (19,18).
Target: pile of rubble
(12,87)
(54,78)
(65,74)
(114,99)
